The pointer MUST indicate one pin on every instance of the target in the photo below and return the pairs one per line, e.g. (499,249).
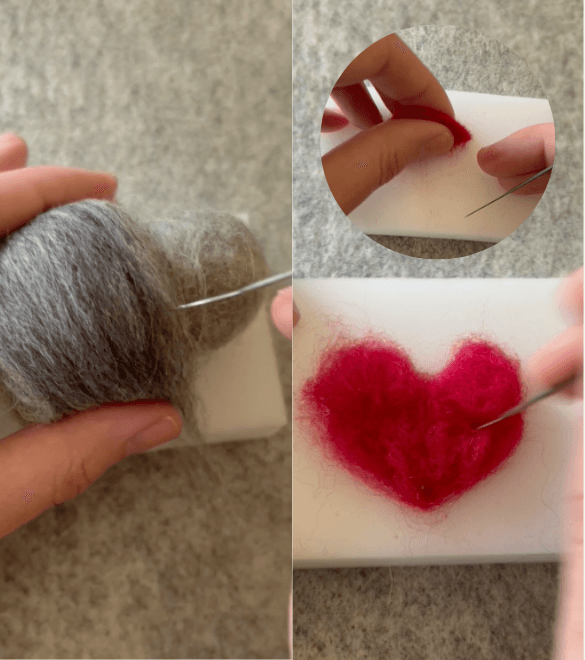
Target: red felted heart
(411,435)
(460,134)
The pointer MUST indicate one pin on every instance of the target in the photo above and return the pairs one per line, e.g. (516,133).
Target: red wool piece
(460,133)
(410,435)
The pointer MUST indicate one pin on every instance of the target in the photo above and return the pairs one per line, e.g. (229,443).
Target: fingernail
(157,434)
(487,155)
(440,144)
(334,122)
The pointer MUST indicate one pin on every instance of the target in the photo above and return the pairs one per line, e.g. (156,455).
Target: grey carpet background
(485,612)
(425,613)
(177,554)
(498,48)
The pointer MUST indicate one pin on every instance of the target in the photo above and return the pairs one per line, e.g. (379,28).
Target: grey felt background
(485,612)
(425,613)
(500,48)
(177,554)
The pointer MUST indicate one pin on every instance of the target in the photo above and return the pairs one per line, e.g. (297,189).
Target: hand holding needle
(535,399)
(561,357)
(559,364)
(514,189)
(531,149)
(561,361)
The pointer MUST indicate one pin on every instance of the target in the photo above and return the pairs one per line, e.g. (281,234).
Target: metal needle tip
(532,178)
(522,406)
(273,279)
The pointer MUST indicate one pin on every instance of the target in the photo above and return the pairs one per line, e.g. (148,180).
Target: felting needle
(538,174)
(273,279)
(522,406)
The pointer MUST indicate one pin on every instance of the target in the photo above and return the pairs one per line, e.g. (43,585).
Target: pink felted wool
(460,134)
(410,435)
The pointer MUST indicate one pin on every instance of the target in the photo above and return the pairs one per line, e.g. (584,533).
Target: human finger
(357,105)
(520,155)
(558,360)
(356,168)
(284,312)
(27,192)
(570,297)
(569,633)
(47,464)
(13,152)
(332,121)
(398,76)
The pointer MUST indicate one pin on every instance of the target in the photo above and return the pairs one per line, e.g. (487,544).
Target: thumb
(47,464)
(356,168)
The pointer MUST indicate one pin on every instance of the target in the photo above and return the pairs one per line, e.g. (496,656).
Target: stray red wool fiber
(410,435)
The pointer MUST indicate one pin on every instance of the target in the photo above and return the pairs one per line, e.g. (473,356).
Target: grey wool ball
(88,301)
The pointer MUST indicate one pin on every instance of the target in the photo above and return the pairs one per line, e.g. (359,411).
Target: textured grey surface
(500,48)
(176,554)
(432,613)
(431,248)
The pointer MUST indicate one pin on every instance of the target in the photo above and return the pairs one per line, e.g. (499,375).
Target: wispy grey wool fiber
(87,306)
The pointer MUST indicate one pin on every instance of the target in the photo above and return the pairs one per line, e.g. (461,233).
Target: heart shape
(412,435)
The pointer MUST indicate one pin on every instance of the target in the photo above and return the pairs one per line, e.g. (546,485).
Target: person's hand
(563,355)
(47,464)
(284,312)
(519,156)
(356,168)
(560,358)
(285,316)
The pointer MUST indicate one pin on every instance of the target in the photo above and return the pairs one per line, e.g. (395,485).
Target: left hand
(359,166)
(47,464)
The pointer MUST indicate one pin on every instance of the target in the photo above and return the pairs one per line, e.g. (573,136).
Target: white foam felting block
(431,198)
(515,514)
(238,390)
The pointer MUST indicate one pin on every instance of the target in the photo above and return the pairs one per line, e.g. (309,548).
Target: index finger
(561,358)
(398,76)
(570,296)
(27,192)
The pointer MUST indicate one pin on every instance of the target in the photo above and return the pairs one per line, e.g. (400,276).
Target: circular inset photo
(433,153)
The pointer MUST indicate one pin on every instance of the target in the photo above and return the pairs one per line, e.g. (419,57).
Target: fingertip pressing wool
(460,134)
(410,435)
(87,306)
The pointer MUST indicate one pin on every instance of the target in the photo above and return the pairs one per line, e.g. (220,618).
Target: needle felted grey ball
(87,306)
